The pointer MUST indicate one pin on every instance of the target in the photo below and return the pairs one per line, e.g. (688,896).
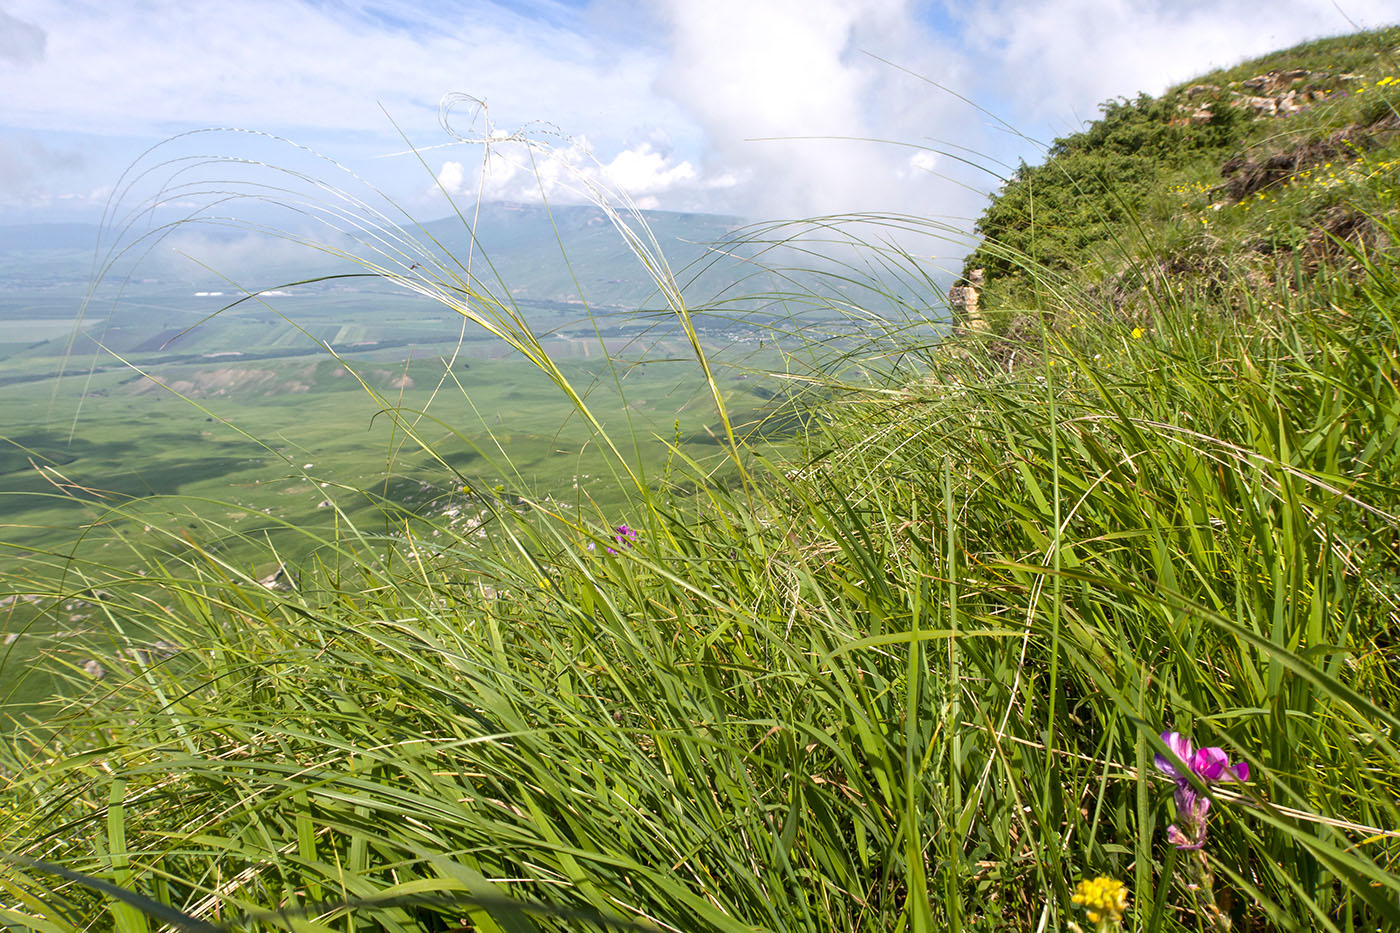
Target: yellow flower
(1138,333)
(1105,898)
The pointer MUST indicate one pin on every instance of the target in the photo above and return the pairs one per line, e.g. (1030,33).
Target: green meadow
(164,439)
(743,600)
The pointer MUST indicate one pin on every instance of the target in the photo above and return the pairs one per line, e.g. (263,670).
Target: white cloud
(144,66)
(643,170)
(923,161)
(1063,57)
(805,118)
(452,178)
(530,170)
(689,105)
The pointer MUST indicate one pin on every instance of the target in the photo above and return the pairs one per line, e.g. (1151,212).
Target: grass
(250,459)
(910,674)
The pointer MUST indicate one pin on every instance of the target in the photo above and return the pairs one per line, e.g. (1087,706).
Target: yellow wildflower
(1105,898)
(1138,333)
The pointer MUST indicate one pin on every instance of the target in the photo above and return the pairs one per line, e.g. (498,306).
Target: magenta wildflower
(625,537)
(1206,766)
(1209,766)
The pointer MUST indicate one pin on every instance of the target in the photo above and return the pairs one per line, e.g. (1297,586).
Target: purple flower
(1210,766)
(1180,746)
(625,537)
(1191,812)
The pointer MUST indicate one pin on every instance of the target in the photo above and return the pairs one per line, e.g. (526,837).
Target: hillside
(1085,617)
(1220,186)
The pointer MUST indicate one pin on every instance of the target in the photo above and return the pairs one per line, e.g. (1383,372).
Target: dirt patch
(1246,176)
(1336,228)
(229,380)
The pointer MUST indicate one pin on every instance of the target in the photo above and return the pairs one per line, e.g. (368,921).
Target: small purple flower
(1213,765)
(625,537)
(1179,839)
(1210,766)
(1191,812)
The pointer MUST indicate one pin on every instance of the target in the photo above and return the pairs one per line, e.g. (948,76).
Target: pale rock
(962,300)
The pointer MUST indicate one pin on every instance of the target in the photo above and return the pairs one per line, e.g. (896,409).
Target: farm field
(163,418)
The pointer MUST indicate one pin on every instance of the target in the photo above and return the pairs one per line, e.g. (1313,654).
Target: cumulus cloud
(644,170)
(790,95)
(923,161)
(528,171)
(452,178)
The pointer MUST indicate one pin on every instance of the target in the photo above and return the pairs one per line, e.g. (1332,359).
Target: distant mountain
(530,252)
(554,253)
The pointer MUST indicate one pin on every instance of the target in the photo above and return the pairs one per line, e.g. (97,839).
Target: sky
(765,109)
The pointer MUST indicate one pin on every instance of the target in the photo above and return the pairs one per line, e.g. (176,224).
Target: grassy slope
(1149,194)
(910,682)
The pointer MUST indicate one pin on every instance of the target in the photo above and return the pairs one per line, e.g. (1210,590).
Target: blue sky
(686,104)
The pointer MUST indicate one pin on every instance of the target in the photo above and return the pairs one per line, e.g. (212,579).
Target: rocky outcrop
(1272,94)
(1196,109)
(962,301)
(1247,174)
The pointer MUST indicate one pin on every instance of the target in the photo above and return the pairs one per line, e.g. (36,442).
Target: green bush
(1086,194)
